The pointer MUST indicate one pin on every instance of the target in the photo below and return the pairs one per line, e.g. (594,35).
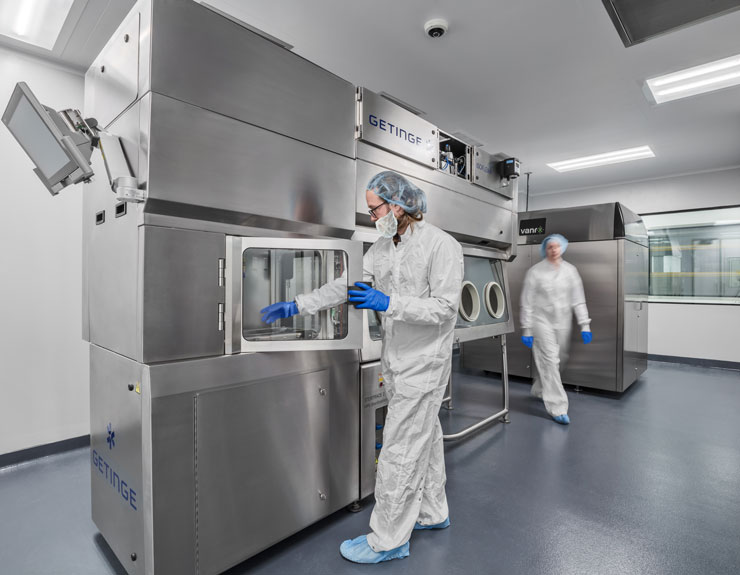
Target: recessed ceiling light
(603,159)
(697,80)
(36,22)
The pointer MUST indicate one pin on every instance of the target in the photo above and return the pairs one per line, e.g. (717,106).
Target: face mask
(387,225)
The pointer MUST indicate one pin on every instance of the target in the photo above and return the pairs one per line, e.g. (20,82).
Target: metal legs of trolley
(503,415)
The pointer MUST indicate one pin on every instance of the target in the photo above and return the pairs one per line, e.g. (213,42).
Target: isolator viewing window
(274,275)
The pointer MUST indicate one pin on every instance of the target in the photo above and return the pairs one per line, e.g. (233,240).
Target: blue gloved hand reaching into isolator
(528,340)
(368,298)
(279,310)
(586,336)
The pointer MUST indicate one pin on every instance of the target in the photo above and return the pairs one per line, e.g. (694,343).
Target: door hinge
(221,318)
(221,272)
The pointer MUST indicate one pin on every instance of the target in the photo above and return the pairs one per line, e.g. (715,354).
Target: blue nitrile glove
(587,336)
(279,310)
(368,298)
(527,340)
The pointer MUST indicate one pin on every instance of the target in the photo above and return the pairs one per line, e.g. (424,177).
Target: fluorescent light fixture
(697,80)
(36,22)
(603,159)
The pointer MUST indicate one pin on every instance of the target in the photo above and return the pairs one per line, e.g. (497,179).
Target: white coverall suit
(550,293)
(423,276)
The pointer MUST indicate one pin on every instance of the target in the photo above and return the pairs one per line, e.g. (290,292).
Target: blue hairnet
(395,189)
(558,238)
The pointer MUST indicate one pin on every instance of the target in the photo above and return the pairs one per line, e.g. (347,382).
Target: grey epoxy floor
(646,483)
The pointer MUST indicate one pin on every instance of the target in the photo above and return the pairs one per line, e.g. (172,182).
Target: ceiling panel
(640,20)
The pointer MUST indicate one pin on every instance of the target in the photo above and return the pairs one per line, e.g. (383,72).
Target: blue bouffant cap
(553,237)
(395,189)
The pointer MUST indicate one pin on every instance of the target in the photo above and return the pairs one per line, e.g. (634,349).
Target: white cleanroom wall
(44,370)
(688,192)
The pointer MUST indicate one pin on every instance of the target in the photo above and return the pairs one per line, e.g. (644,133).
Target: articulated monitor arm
(60,144)
(122,181)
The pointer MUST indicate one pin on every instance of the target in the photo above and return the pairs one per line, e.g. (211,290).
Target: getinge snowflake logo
(111,437)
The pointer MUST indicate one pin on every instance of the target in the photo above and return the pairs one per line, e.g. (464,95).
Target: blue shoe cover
(445,523)
(564,419)
(359,551)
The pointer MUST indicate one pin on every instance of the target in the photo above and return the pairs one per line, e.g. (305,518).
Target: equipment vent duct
(640,20)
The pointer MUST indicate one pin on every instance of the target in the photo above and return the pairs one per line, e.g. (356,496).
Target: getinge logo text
(111,475)
(394,130)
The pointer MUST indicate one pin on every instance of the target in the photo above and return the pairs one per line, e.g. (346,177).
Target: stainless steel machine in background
(608,245)
(239,181)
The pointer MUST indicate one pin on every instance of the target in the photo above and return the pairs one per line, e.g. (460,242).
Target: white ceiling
(541,80)
(89,25)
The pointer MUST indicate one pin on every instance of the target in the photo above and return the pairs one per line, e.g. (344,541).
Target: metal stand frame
(503,415)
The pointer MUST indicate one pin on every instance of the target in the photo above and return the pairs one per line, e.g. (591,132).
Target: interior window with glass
(695,255)
(274,275)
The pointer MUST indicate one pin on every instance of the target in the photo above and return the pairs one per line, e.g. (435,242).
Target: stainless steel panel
(635,280)
(174,387)
(235,342)
(118,505)
(485,172)
(143,388)
(180,293)
(112,81)
(142,170)
(578,224)
(468,218)
(171,465)
(214,163)
(373,399)
(112,252)
(595,365)
(371,348)
(215,372)
(387,160)
(262,474)
(382,123)
(211,62)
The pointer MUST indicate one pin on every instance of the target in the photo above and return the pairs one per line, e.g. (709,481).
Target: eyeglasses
(372,211)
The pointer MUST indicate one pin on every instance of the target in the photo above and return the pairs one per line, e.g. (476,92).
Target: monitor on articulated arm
(60,145)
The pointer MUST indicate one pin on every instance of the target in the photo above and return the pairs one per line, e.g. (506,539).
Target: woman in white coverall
(417,270)
(552,288)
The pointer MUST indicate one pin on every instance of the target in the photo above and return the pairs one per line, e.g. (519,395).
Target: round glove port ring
(493,295)
(469,302)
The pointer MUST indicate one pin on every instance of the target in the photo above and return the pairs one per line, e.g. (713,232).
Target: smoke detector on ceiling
(436,28)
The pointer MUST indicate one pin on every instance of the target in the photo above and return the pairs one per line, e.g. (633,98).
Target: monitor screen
(35,135)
